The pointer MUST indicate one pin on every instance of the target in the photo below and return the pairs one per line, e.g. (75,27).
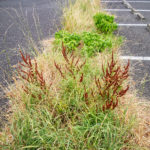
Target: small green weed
(94,42)
(105,23)
(88,43)
(70,40)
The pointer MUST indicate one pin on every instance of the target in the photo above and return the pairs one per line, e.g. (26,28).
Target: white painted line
(117,9)
(135,58)
(143,10)
(133,25)
(139,10)
(138,1)
(127,1)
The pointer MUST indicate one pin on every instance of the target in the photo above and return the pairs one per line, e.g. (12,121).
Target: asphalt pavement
(23,22)
(137,42)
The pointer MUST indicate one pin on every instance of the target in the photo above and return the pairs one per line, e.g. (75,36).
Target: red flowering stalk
(72,66)
(29,72)
(72,63)
(81,78)
(112,88)
(59,69)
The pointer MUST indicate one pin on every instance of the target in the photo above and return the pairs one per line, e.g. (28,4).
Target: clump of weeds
(79,113)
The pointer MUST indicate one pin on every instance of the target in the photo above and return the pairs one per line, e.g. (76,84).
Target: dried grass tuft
(139,110)
(78,17)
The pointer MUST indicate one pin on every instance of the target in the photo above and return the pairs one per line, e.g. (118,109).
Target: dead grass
(78,17)
(142,130)
(139,110)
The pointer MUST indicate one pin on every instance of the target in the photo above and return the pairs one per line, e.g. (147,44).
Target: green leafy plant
(88,43)
(94,42)
(104,23)
(70,40)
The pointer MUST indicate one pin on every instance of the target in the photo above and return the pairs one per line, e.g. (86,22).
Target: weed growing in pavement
(104,23)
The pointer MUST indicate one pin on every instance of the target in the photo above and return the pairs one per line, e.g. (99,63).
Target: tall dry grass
(78,17)
(137,110)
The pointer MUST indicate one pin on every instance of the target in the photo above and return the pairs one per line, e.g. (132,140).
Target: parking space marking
(133,25)
(139,10)
(135,58)
(138,1)
(144,10)
(117,9)
(139,58)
